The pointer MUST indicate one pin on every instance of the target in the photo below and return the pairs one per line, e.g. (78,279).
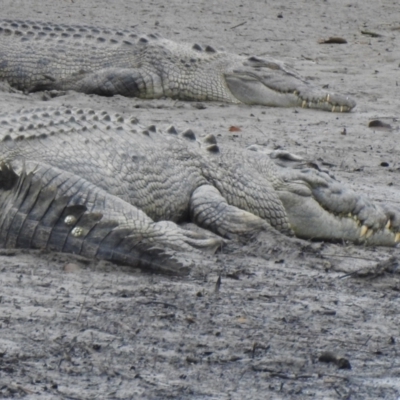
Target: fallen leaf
(71,268)
(190,319)
(376,123)
(333,39)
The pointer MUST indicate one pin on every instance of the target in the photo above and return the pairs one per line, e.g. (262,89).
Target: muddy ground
(283,322)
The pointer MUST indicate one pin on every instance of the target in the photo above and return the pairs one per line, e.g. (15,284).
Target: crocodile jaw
(309,220)
(283,90)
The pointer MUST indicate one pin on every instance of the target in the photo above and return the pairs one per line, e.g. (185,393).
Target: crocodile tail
(35,214)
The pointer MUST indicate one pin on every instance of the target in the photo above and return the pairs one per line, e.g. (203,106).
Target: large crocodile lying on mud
(99,185)
(43,56)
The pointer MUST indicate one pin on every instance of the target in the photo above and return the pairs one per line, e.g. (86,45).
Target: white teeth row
(337,108)
(309,104)
(366,232)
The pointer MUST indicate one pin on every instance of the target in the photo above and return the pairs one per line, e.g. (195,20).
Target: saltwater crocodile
(99,185)
(37,56)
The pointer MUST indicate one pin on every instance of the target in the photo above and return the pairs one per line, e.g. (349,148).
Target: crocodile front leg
(210,210)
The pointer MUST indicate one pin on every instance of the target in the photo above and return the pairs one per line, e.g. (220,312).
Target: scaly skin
(99,185)
(38,56)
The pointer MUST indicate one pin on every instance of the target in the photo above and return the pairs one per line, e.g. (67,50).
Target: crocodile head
(271,83)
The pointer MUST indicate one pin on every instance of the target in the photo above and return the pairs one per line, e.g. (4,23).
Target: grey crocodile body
(99,185)
(43,56)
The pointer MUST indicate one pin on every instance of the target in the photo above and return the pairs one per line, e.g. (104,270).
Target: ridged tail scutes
(36,213)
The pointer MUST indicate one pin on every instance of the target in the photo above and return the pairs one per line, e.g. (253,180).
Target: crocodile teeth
(341,108)
(369,233)
(388,224)
(333,109)
(397,238)
(364,230)
(304,104)
(328,96)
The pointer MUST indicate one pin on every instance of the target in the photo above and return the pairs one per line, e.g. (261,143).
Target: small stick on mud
(390,266)
(372,34)
(83,303)
(237,26)
(217,284)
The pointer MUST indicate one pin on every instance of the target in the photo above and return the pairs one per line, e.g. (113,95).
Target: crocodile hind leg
(43,207)
(112,81)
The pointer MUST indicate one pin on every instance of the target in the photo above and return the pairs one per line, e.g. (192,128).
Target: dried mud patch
(249,325)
